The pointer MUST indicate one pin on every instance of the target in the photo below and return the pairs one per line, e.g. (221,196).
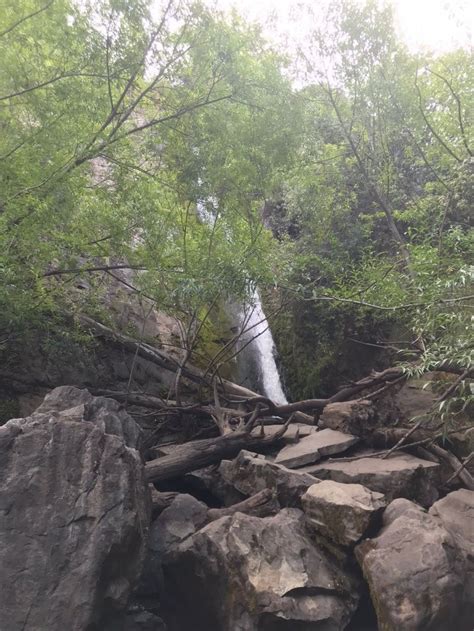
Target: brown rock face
(250,473)
(245,573)
(416,573)
(342,513)
(74,515)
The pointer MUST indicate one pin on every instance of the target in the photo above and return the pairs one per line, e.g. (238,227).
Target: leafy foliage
(152,135)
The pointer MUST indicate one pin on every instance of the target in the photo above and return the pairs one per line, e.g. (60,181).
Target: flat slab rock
(340,512)
(401,475)
(308,450)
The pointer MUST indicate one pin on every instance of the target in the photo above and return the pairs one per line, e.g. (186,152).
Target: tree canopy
(346,184)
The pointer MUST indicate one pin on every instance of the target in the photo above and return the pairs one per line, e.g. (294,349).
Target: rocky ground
(316,533)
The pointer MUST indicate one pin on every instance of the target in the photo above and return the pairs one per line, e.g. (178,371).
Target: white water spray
(258,328)
(255,325)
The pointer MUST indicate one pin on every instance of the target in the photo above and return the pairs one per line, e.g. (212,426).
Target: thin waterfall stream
(264,348)
(257,336)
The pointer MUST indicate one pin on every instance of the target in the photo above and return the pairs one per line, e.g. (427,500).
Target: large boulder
(415,573)
(78,404)
(456,512)
(250,473)
(312,448)
(74,510)
(400,475)
(343,513)
(243,573)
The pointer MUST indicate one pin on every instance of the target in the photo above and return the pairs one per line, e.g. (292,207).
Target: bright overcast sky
(437,25)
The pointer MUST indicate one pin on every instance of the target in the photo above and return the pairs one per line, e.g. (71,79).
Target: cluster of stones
(79,549)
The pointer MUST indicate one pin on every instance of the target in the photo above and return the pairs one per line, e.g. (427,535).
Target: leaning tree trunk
(202,453)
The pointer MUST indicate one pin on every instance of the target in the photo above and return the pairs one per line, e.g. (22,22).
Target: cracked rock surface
(416,572)
(243,573)
(74,514)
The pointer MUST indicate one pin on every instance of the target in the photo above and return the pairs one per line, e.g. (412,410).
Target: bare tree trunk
(260,503)
(202,453)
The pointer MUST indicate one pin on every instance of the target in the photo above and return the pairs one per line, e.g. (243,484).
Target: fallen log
(202,453)
(260,504)
(463,474)
(381,380)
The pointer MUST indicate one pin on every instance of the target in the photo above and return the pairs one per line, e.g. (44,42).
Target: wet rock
(351,417)
(250,473)
(342,513)
(401,475)
(74,510)
(415,573)
(80,405)
(327,442)
(243,573)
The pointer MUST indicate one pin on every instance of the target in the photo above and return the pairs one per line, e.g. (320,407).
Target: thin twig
(460,469)
(403,439)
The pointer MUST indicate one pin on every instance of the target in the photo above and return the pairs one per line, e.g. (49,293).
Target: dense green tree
(173,139)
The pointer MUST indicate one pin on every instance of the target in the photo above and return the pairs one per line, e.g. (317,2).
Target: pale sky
(436,25)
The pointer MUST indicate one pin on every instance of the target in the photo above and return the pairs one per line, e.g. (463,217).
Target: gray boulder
(415,573)
(180,520)
(243,573)
(312,448)
(456,512)
(250,473)
(80,405)
(208,482)
(74,510)
(401,475)
(342,513)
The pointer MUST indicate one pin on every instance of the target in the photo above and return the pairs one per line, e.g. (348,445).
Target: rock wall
(74,513)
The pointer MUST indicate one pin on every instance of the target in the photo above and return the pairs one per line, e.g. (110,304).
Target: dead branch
(460,468)
(202,453)
(454,463)
(260,503)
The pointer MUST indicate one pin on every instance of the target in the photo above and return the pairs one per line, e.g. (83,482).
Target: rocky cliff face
(74,514)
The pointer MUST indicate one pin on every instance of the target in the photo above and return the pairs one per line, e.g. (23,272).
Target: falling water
(258,328)
(257,333)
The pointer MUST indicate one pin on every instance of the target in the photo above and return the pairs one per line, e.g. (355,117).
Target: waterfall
(258,328)
(257,333)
